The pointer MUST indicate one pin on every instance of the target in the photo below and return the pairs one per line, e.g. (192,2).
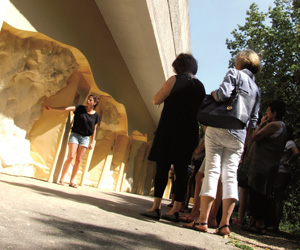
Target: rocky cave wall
(36,70)
(31,70)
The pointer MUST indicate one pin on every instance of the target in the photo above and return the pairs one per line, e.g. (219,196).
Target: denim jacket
(246,84)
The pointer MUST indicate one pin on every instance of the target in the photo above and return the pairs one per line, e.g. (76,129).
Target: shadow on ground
(90,236)
(130,204)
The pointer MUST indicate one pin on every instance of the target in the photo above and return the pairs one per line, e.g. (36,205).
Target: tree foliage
(275,36)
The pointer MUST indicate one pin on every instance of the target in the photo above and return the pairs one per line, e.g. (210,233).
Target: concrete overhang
(149,34)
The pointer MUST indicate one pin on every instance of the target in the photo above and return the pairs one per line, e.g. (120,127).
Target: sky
(211,22)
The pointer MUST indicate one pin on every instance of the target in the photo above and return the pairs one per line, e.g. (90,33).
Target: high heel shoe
(152,214)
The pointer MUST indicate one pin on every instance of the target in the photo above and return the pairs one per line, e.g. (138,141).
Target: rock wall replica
(37,70)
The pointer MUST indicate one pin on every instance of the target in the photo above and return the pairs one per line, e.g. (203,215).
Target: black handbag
(231,114)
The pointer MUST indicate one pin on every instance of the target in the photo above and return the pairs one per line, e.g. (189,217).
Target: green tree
(275,36)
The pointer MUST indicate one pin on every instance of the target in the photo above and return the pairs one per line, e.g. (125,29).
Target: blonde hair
(248,59)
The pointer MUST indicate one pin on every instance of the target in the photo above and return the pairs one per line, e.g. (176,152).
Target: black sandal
(73,185)
(171,217)
(218,231)
(152,214)
(200,224)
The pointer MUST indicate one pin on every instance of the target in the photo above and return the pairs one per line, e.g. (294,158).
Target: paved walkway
(39,215)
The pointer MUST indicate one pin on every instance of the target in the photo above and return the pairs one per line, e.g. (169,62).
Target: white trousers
(222,155)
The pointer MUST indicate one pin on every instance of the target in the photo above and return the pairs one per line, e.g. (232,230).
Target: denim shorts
(80,140)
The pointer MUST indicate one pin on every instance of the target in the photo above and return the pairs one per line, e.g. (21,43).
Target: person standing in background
(284,175)
(85,125)
(269,141)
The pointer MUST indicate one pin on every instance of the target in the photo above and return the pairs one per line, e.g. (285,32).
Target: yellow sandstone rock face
(36,70)
(30,70)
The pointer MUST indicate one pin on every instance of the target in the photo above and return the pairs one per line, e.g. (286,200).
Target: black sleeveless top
(176,136)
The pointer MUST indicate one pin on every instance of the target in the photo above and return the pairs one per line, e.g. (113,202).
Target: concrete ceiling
(133,31)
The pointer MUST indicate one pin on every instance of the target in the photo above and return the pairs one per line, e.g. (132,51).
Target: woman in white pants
(224,147)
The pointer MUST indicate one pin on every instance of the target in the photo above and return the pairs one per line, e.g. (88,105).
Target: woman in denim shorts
(85,124)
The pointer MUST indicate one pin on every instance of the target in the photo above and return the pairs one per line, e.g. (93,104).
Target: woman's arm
(200,148)
(92,144)
(226,87)
(295,153)
(165,91)
(69,108)
(263,131)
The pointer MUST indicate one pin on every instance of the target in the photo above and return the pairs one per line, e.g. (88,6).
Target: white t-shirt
(286,155)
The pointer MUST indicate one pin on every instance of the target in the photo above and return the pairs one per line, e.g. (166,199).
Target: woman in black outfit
(176,136)
(85,125)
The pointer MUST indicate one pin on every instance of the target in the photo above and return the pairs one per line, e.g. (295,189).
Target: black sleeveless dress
(176,136)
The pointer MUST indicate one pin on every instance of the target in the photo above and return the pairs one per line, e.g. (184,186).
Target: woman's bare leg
(195,210)
(212,219)
(156,204)
(228,206)
(80,153)
(242,206)
(176,207)
(71,155)
(206,204)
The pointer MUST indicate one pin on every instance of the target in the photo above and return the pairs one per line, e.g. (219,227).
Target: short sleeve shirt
(286,155)
(84,123)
